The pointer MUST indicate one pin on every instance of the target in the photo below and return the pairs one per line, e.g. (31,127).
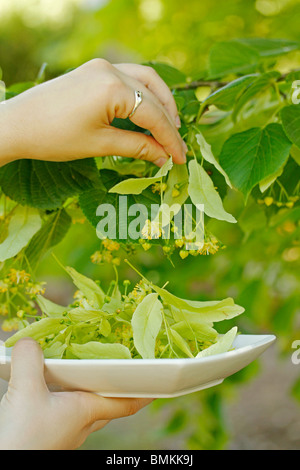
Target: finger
(150,78)
(151,115)
(132,144)
(105,409)
(27,366)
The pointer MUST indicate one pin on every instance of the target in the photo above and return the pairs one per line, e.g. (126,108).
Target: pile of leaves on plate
(148,322)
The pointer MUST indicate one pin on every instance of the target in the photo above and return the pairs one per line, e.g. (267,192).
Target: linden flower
(17,277)
(151,230)
(97,258)
(3,310)
(3,287)
(78,295)
(36,289)
(111,245)
(20,313)
(158,187)
(209,248)
(10,324)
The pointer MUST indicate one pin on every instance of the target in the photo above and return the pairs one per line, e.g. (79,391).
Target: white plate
(153,378)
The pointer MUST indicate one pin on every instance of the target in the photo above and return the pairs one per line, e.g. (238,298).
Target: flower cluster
(105,254)
(289,201)
(18,292)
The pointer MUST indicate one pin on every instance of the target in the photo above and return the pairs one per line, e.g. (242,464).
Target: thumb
(27,366)
(132,144)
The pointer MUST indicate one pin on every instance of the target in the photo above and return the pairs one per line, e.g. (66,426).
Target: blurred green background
(257,408)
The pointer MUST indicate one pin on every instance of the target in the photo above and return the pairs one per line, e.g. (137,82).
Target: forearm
(9,135)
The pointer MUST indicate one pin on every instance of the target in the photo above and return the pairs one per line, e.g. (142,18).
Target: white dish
(153,378)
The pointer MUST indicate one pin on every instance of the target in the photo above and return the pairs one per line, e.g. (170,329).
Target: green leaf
(222,345)
(170,75)
(46,185)
(87,314)
(229,57)
(201,191)
(259,85)
(104,327)
(269,180)
(208,311)
(295,153)
(51,233)
(178,175)
(207,154)
(250,156)
(225,97)
(55,350)
(37,330)
(88,287)
(180,342)
(195,328)
(138,185)
(50,308)
(267,47)
(124,166)
(90,200)
(25,222)
(146,322)
(290,116)
(96,350)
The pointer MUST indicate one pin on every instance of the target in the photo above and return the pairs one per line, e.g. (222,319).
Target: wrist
(9,135)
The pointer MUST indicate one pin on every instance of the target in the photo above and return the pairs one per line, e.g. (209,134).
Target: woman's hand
(33,418)
(70,117)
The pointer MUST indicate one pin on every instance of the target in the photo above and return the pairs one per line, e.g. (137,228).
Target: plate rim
(266,339)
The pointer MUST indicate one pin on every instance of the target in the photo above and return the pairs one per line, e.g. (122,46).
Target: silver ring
(138,99)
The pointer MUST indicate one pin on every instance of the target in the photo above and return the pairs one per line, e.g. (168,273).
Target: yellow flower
(3,287)
(107,257)
(183,254)
(20,313)
(10,324)
(158,187)
(175,193)
(36,289)
(151,230)
(111,245)
(179,243)
(268,201)
(97,258)
(78,295)
(18,277)
(146,246)
(3,310)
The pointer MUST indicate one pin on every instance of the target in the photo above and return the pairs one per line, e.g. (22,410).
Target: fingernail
(160,161)
(177,122)
(185,146)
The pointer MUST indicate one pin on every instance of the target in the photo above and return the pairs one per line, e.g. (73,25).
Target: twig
(216,83)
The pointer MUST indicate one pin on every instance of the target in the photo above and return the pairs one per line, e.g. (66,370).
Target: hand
(70,117)
(33,418)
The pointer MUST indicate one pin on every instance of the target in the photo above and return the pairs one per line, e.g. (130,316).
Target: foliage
(135,324)
(244,97)
(240,137)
